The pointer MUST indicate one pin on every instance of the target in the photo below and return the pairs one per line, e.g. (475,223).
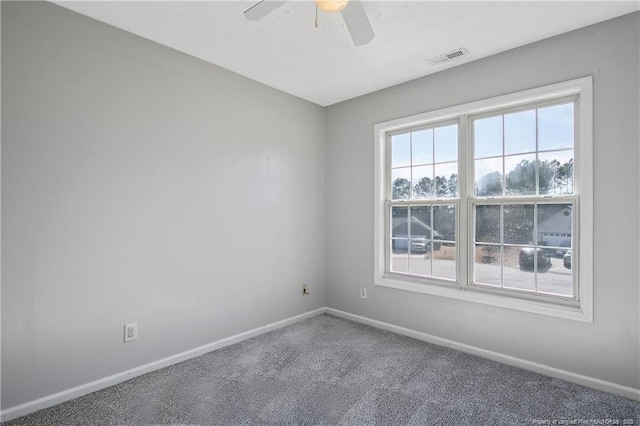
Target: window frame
(418,202)
(580,309)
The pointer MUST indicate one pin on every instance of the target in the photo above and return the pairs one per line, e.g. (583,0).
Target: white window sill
(454,291)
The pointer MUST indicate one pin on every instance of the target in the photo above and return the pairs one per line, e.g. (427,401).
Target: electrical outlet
(130,332)
(363,293)
(304,289)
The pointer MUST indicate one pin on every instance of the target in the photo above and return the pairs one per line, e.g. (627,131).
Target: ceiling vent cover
(458,53)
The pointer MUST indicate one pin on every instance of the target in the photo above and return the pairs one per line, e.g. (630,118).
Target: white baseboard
(78,391)
(590,382)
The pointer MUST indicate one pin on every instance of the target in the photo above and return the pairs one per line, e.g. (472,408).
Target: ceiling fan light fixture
(331,6)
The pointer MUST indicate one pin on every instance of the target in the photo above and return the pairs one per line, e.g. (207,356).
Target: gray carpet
(327,370)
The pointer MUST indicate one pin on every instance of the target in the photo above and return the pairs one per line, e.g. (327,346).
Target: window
(491,201)
(423,202)
(523,198)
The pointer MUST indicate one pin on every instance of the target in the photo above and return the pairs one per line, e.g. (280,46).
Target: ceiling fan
(352,12)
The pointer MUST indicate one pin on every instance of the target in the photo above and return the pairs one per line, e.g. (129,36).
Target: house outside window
(491,201)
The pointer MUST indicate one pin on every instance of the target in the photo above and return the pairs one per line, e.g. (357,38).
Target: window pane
(446,180)
(556,172)
(444,222)
(488,180)
(399,256)
(399,222)
(423,182)
(527,261)
(520,132)
(422,149)
(554,238)
(446,143)
(520,174)
(420,223)
(401,183)
(421,243)
(488,137)
(487,268)
(557,279)
(518,224)
(517,273)
(421,263)
(487,224)
(554,224)
(400,150)
(444,247)
(555,127)
(399,261)
(444,260)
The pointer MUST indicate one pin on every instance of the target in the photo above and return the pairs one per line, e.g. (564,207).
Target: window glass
(537,157)
(518,223)
(423,184)
(529,243)
(487,264)
(401,183)
(424,166)
(446,181)
(400,150)
(520,132)
(488,137)
(555,127)
(422,147)
(488,177)
(520,174)
(444,241)
(446,143)
(487,224)
(556,172)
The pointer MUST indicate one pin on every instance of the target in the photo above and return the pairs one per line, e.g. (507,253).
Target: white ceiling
(285,50)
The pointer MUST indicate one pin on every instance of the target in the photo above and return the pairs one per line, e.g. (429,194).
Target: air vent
(448,56)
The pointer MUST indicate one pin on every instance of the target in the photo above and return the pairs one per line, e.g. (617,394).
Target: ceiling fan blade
(355,18)
(262,9)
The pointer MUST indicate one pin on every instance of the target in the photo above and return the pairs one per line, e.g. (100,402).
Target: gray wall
(141,184)
(608,349)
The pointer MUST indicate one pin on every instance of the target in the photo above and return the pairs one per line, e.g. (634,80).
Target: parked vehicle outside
(566,245)
(566,260)
(526,258)
(420,246)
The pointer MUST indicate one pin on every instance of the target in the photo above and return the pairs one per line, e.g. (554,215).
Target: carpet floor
(331,371)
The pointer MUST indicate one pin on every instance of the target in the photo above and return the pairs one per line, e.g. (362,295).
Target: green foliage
(563,178)
(401,189)
(489,185)
(553,178)
(522,179)
(424,188)
(442,187)
(452,189)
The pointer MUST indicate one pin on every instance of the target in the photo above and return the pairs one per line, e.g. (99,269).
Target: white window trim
(583,87)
